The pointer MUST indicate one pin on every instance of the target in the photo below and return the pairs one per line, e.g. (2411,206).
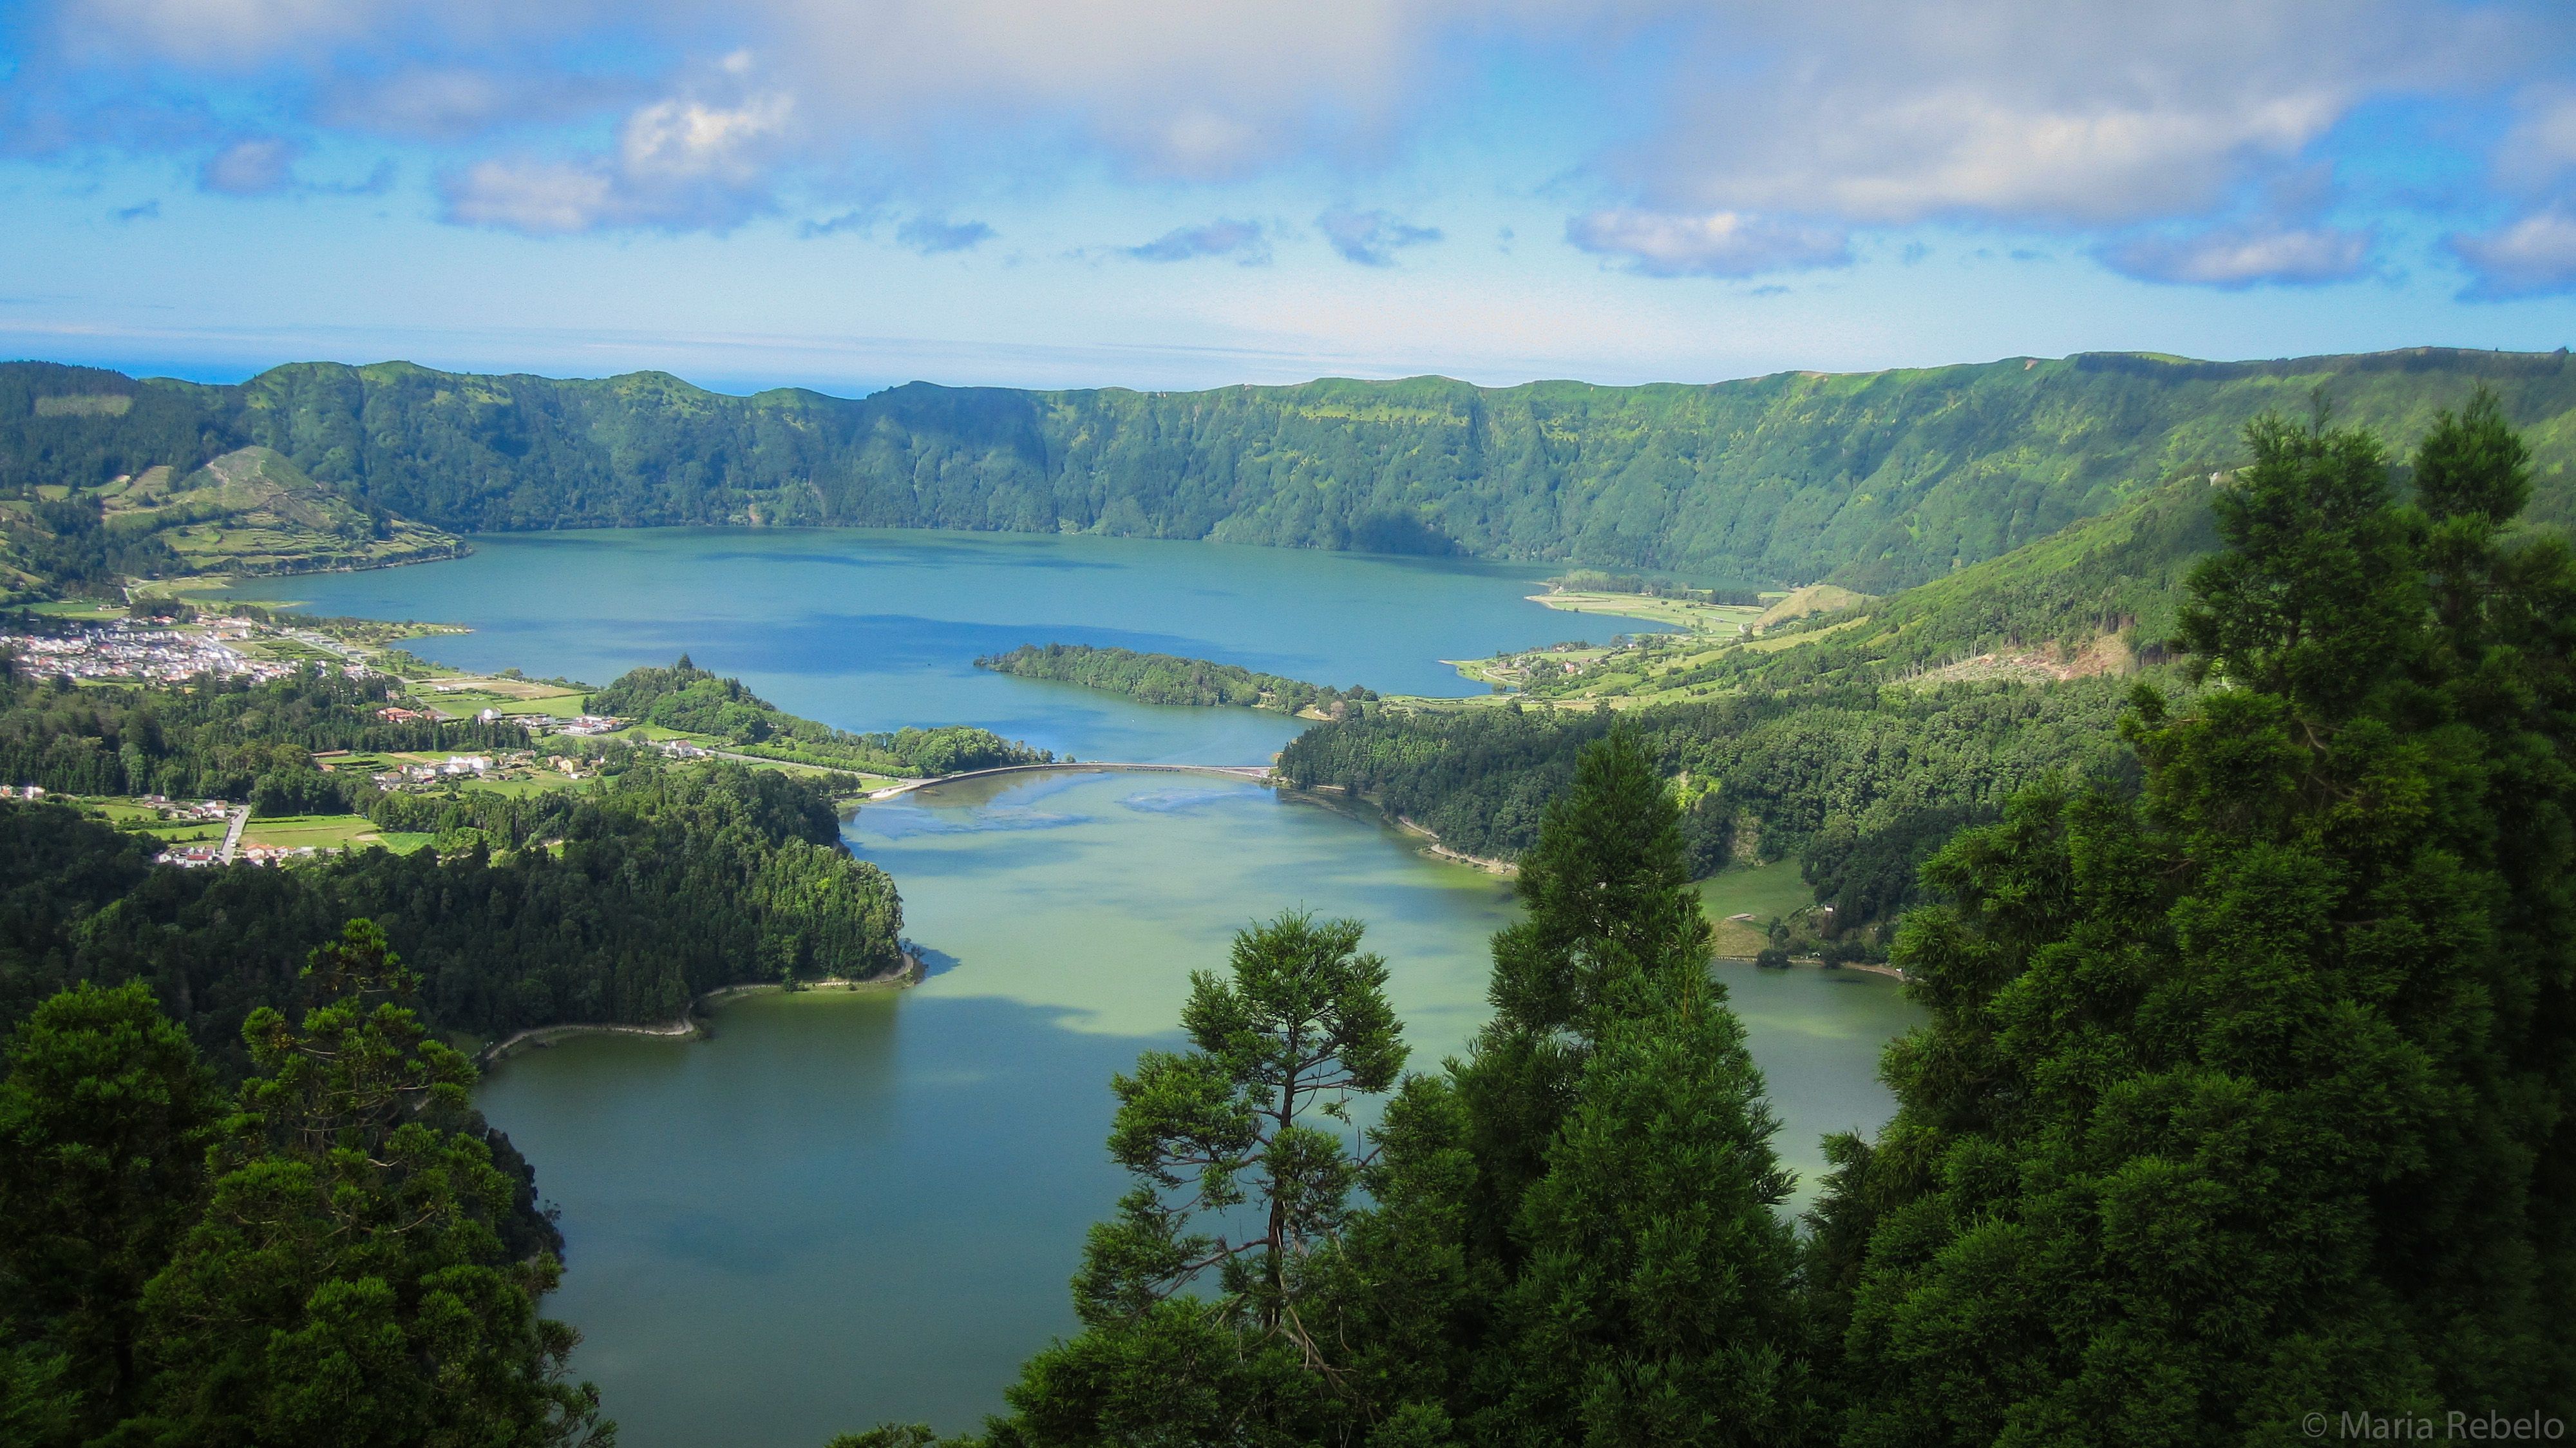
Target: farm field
(320,832)
(470,696)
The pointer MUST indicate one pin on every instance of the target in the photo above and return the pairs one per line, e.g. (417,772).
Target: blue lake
(849,1208)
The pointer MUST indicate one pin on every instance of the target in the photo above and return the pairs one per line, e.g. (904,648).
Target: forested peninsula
(1171,679)
(1871,480)
(687,698)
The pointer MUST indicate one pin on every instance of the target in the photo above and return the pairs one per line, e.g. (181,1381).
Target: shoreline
(688,1026)
(1361,805)
(1506,868)
(1867,967)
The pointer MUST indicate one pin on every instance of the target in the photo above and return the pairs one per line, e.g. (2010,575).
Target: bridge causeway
(1237,771)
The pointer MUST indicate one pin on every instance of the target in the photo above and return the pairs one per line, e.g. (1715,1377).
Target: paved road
(232,833)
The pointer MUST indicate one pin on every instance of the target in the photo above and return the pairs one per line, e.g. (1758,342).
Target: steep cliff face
(1875,481)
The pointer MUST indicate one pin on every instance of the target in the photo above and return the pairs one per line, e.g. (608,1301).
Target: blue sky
(849,194)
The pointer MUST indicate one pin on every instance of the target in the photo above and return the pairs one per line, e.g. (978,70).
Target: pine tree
(1226,1132)
(1576,1237)
(1609,876)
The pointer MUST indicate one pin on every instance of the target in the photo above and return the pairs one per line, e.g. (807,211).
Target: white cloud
(1246,241)
(1371,238)
(227,34)
(687,142)
(2534,256)
(1714,244)
(934,235)
(679,164)
(538,197)
(2234,257)
(211,31)
(2029,111)
(253,167)
(2542,144)
(1863,113)
(455,103)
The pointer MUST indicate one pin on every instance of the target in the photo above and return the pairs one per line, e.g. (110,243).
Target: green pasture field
(1772,644)
(322,832)
(469,695)
(543,782)
(294,651)
(1715,618)
(85,610)
(1765,892)
(182,832)
(656,733)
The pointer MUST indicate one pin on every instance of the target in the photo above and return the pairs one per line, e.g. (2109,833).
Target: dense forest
(1842,779)
(1171,679)
(2246,1112)
(619,902)
(692,700)
(326,1246)
(1873,480)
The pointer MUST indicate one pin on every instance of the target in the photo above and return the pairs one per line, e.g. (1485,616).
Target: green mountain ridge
(1875,481)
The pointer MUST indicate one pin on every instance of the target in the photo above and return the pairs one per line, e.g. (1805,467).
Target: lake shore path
(1236,771)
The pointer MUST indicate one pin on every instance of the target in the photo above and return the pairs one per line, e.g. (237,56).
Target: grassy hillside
(252,511)
(247,512)
(2096,597)
(1873,481)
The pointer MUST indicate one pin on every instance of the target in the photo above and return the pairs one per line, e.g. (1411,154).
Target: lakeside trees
(1857,783)
(695,701)
(1235,1180)
(338,1268)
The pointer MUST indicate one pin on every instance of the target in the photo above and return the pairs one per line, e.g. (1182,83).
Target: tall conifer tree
(1610,877)
(1643,1287)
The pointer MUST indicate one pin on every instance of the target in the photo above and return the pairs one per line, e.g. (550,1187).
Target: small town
(127,652)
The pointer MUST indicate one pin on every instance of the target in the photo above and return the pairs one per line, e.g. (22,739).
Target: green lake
(843,1208)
